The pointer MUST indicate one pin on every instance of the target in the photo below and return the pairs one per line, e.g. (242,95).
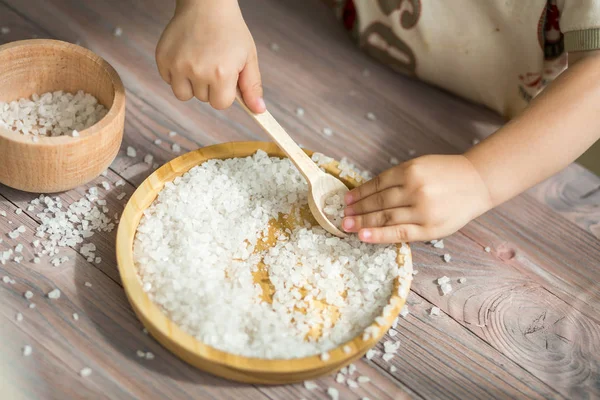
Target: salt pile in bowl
(52,114)
(209,234)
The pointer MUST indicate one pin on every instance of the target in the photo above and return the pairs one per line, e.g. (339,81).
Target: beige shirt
(500,53)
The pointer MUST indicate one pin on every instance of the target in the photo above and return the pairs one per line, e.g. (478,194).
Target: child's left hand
(426,198)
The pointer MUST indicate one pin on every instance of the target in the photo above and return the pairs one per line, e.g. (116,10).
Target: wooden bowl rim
(113,113)
(168,331)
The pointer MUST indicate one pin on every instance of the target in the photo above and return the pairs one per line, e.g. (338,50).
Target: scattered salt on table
(333,393)
(310,385)
(27,350)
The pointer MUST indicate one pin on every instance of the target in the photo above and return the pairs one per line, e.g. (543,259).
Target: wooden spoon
(320,184)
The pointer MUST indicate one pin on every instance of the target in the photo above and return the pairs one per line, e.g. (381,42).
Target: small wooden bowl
(55,164)
(217,362)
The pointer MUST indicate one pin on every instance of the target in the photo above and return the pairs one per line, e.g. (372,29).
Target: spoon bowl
(320,189)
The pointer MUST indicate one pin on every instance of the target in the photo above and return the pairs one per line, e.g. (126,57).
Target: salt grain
(393,369)
(148,158)
(274,46)
(131,152)
(434,312)
(404,312)
(27,350)
(87,284)
(487,249)
(370,354)
(105,185)
(76,316)
(18,211)
(300,112)
(363,379)
(19,317)
(310,385)
(120,182)
(32,305)
(118,31)
(140,354)
(352,384)
(176,148)
(28,294)
(327,132)
(333,393)
(394,161)
(462,280)
(75,133)
(447,257)
(121,196)
(172,134)
(446,288)
(157,142)
(340,378)
(54,294)
(439,244)
(85,372)
(149,356)
(443,280)
(387,357)
(475,141)
(371,116)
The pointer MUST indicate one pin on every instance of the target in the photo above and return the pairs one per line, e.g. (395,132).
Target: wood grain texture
(58,163)
(330,85)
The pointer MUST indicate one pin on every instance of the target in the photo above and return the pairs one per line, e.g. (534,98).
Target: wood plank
(575,194)
(512,312)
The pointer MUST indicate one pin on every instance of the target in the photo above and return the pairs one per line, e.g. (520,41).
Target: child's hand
(206,51)
(426,198)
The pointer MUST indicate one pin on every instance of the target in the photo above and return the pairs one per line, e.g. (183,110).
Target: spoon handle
(269,124)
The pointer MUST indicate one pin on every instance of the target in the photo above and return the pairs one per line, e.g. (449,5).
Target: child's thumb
(251,86)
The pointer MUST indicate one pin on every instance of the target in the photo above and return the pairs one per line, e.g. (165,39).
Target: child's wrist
(486,194)
(184,5)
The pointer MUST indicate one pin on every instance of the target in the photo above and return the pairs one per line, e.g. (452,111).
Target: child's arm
(433,196)
(206,51)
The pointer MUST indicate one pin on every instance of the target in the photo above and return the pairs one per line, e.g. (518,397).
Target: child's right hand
(207,51)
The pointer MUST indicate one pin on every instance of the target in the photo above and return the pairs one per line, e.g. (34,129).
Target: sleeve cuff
(583,40)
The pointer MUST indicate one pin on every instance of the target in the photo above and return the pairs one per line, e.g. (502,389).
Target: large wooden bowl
(55,164)
(230,366)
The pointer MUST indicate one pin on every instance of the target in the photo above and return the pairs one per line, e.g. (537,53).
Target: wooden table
(525,324)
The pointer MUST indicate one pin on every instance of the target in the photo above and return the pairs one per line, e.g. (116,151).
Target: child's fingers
(393,234)
(381,182)
(388,198)
(201,90)
(222,92)
(251,86)
(182,88)
(396,216)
